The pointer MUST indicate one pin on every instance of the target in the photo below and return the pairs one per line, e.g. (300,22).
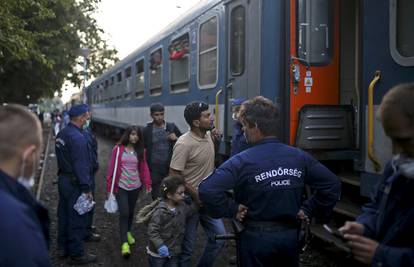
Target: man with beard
(193,159)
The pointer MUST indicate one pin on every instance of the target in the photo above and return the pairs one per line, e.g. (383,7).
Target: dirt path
(108,249)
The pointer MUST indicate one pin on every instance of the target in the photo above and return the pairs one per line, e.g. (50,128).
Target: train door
(314,57)
(243,44)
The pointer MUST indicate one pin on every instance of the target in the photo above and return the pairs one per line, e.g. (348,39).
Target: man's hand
(352,228)
(89,195)
(302,216)
(215,134)
(241,212)
(362,248)
(172,137)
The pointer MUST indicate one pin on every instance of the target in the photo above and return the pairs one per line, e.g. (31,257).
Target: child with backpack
(166,219)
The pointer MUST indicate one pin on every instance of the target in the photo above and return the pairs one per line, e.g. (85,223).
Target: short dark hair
(170,185)
(18,128)
(156,107)
(261,112)
(401,98)
(193,111)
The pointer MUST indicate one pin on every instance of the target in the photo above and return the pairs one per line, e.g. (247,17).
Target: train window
(179,63)
(128,79)
(314,33)
(401,37)
(207,54)
(156,72)
(119,77)
(140,78)
(237,40)
(106,84)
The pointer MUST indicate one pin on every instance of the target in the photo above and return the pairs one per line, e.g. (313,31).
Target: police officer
(238,140)
(384,234)
(268,180)
(91,235)
(24,224)
(74,171)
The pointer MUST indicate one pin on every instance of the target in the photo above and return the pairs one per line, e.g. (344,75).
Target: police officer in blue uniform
(238,140)
(91,235)
(268,180)
(74,171)
(384,234)
(24,225)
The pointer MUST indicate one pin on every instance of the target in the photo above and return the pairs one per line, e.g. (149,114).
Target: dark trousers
(158,172)
(90,214)
(269,249)
(162,262)
(127,200)
(71,225)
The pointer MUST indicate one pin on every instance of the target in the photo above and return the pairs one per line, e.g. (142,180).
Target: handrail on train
(216,114)
(371,153)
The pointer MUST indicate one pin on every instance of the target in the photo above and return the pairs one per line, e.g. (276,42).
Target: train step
(350,179)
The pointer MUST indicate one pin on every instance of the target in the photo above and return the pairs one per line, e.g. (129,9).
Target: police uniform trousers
(71,225)
(269,247)
(89,223)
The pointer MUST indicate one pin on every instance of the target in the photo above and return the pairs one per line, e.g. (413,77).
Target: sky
(129,23)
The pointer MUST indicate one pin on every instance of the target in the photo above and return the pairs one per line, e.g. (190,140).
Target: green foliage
(40,43)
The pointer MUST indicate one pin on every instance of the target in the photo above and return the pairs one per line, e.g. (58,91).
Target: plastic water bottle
(83,204)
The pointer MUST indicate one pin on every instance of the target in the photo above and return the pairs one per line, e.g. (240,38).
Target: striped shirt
(129,179)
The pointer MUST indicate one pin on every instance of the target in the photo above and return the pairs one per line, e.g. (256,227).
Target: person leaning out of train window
(24,226)
(238,140)
(159,139)
(268,180)
(383,235)
(131,172)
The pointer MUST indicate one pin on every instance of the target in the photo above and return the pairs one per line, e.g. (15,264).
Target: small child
(166,225)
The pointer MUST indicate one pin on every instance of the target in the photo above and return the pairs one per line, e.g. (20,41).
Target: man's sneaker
(125,251)
(131,239)
(85,259)
(93,238)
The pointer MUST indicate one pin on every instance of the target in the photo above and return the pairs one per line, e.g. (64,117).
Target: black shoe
(93,238)
(94,230)
(232,260)
(85,259)
(62,254)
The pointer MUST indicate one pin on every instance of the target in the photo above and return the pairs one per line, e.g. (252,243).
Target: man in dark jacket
(238,140)
(383,234)
(24,225)
(159,140)
(268,180)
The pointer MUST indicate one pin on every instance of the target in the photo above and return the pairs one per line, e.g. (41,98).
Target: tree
(39,46)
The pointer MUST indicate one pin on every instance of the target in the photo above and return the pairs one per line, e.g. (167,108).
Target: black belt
(269,226)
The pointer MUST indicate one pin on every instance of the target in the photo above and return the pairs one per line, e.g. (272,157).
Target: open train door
(314,56)
(243,44)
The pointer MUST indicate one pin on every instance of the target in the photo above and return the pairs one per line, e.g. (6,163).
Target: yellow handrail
(216,115)
(371,153)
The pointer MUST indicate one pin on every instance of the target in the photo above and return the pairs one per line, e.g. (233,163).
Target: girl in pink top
(131,173)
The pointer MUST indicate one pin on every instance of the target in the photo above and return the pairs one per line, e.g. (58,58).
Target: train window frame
(329,35)
(127,79)
(181,86)
(211,85)
(138,92)
(156,90)
(232,69)
(406,61)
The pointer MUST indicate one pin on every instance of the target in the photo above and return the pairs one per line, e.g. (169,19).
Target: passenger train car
(326,63)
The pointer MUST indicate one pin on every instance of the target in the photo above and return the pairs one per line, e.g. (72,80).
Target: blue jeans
(162,262)
(212,227)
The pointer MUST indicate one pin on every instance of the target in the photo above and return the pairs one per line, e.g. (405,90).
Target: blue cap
(238,101)
(78,110)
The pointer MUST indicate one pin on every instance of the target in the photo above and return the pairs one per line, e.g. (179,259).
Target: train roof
(187,17)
